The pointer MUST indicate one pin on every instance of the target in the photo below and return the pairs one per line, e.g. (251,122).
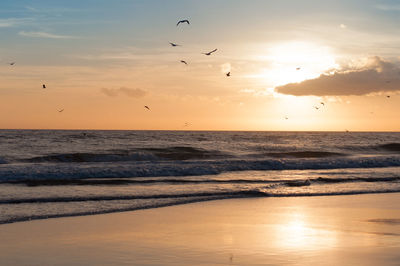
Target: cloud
(11,22)
(374,77)
(134,93)
(40,34)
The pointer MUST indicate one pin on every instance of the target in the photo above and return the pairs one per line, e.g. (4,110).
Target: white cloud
(40,34)
(11,22)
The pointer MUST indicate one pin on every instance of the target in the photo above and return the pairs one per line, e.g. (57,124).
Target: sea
(57,173)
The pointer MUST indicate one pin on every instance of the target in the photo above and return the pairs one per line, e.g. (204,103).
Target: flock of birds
(228,74)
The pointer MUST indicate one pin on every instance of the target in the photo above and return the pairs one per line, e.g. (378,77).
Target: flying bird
(11,63)
(298,68)
(209,53)
(60,111)
(323,103)
(148,108)
(316,107)
(183,21)
(388,96)
(184,62)
(228,74)
(174,44)
(44,86)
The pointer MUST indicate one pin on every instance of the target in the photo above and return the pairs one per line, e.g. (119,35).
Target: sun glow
(294,62)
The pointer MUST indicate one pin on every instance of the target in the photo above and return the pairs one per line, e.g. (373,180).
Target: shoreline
(329,230)
(193,201)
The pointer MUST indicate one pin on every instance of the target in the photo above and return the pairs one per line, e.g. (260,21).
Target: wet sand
(335,230)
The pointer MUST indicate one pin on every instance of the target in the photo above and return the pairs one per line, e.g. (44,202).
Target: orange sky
(102,68)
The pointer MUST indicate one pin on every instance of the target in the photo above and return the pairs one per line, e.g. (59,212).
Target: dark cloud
(376,76)
(135,93)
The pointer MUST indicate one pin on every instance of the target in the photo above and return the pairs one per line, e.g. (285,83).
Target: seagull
(60,111)
(184,62)
(228,74)
(44,86)
(183,21)
(298,68)
(174,44)
(209,53)
(148,108)
(323,103)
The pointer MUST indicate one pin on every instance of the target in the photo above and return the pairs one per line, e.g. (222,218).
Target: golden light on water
(295,232)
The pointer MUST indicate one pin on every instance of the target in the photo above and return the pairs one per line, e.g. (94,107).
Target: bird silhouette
(44,86)
(60,111)
(323,103)
(316,107)
(148,108)
(209,53)
(11,63)
(183,21)
(228,74)
(184,62)
(174,44)
(388,96)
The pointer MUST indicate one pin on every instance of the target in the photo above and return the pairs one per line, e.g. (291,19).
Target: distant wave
(142,154)
(390,147)
(304,154)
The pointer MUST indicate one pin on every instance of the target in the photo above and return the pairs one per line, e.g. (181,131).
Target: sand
(335,230)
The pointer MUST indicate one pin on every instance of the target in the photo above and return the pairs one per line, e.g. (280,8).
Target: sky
(295,65)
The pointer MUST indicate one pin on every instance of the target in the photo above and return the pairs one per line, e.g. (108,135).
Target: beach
(320,230)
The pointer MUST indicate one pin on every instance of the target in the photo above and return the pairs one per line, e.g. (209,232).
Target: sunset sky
(103,61)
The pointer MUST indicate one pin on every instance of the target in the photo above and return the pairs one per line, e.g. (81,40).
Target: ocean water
(56,173)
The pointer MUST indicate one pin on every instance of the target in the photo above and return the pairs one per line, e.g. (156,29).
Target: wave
(171,201)
(393,147)
(142,154)
(118,181)
(15,172)
(304,154)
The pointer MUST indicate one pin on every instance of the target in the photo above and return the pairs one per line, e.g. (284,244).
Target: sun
(292,62)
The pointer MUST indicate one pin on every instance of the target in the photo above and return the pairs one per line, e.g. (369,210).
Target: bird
(11,63)
(174,44)
(44,86)
(316,107)
(209,53)
(183,21)
(228,74)
(388,96)
(298,68)
(60,111)
(323,103)
(286,117)
(148,108)
(184,62)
